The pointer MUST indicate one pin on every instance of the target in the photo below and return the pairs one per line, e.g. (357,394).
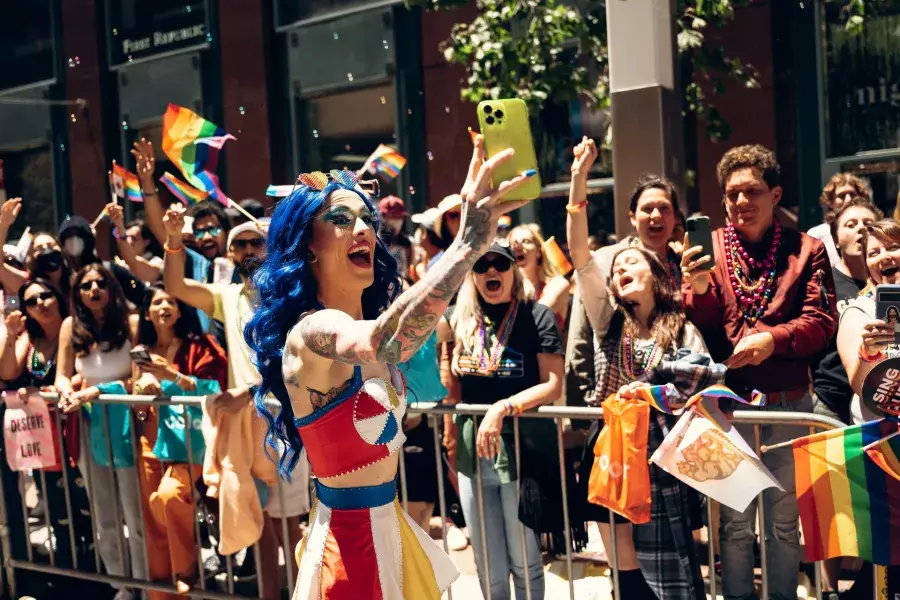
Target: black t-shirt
(534,332)
(830,380)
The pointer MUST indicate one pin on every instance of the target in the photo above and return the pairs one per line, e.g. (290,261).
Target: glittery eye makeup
(343,217)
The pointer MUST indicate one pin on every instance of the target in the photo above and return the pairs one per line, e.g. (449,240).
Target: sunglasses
(87,286)
(210,231)
(253,243)
(501,263)
(45,295)
(453,216)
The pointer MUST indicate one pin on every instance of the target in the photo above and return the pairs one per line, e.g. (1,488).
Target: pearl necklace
(753,295)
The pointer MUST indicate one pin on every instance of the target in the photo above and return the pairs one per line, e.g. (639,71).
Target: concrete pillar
(646,97)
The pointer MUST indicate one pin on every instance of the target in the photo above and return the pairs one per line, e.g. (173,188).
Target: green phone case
(510,129)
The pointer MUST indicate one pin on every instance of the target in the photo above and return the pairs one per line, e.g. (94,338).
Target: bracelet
(117,235)
(178,379)
(171,250)
(155,192)
(575,208)
(869,358)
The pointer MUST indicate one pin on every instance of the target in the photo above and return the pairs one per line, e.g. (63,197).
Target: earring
(312,256)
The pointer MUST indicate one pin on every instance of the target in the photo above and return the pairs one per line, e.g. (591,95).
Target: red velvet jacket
(800,315)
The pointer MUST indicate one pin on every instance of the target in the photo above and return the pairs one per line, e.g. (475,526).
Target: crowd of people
(278,321)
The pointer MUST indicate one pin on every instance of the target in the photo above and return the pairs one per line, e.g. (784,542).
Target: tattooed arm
(402,329)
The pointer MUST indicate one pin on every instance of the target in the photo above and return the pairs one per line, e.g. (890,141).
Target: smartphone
(504,124)
(140,354)
(699,233)
(887,307)
(11,303)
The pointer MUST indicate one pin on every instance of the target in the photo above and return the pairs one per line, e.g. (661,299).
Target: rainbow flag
(188,194)
(886,454)
(667,398)
(385,161)
(849,506)
(126,184)
(192,143)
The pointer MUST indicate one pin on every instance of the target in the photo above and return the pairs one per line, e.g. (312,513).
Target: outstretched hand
(585,154)
(482,204)
(9,212)
(173,221)
(146,159)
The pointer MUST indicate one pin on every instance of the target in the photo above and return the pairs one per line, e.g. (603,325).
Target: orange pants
(168,516)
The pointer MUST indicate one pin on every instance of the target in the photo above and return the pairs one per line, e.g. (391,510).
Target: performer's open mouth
(361,255)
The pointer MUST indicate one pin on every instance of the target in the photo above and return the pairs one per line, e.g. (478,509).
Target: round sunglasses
(87,286)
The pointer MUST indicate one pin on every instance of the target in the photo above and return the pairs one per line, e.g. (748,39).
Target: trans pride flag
(192,143)
(849,505)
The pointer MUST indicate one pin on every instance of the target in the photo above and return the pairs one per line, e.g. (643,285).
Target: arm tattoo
(407,323)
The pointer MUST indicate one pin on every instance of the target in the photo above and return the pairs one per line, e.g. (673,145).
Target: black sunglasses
(501,263)
(242,244)
(86,286)
(45,295)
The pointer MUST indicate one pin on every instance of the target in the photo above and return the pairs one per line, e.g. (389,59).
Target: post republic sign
(144,28)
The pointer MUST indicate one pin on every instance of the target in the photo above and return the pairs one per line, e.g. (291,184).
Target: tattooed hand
(482,204)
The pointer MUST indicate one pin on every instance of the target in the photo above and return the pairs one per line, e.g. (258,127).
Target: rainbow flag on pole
(193,144)
(849,506)
(126,184)
(188,194)
(886,454)
(385,161)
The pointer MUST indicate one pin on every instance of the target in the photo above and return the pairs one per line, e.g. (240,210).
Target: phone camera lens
(489,120)
(499,114)
(488,110)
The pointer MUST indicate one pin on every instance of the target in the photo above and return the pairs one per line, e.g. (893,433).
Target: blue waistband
(359,497)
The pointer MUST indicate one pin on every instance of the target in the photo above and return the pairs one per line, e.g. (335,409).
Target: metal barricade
(265,588)
(558,415)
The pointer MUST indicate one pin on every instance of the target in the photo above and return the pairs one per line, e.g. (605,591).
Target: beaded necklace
(488,362)
(753,295)
(34,367)
(627,359)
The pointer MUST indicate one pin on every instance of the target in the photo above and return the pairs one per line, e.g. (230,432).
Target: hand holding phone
(140,354)
(699,233)
(504,124)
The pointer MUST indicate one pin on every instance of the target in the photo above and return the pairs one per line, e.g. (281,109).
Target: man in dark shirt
(765,310)
(832,389)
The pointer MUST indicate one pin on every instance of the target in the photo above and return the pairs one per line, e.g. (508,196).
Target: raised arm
(154,210)
(10,278)
(138,265)
(396,335)
(187,290)
(577,219)
(12,359)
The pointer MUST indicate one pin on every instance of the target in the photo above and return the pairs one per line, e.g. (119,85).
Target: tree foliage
(556,50)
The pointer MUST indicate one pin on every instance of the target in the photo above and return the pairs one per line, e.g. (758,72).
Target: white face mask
(74,246)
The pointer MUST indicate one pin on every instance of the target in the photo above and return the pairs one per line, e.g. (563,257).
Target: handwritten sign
(28,433)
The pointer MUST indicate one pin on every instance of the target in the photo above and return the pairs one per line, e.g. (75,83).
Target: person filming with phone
(765,310)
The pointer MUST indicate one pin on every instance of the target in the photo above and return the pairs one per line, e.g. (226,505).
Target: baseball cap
(243,228)
(502,249)
(392,207)
(427,219)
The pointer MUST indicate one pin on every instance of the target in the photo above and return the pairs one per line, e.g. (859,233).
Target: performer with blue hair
(329,328)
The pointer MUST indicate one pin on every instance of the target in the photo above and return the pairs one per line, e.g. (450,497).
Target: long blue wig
(286,289)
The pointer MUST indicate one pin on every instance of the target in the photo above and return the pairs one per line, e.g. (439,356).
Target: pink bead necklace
(753,295)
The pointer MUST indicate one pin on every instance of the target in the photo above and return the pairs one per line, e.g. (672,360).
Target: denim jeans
(782,525)
(503,536)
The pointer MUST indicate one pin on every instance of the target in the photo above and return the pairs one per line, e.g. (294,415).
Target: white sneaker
(456,539)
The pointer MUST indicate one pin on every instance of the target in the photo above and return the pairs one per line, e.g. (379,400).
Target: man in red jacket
(765,310)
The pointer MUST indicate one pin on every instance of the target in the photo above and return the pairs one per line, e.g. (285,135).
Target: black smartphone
(140,354)
(699,233)
(887,307)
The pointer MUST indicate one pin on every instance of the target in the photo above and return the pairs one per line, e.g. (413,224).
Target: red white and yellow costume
(360,543)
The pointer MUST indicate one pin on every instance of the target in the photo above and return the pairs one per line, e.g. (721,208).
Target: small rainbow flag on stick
(886,454)
(849,506)
(386,162)
(193,144)
(126,184)
(188,194)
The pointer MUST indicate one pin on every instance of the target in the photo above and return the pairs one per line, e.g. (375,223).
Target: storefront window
(343,129)
(29,174)
(26,43)
(884,177)
(291,11)
(862,81)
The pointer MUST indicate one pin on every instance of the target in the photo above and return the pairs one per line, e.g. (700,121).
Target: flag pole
(884,439)
(241,210)
(791,443)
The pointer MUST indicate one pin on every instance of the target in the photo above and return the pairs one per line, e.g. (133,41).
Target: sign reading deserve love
(28,433)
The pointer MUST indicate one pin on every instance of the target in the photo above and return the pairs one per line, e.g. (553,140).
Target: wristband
(575,208)
(869,358)
(155,192)
(171,250)
(117,235)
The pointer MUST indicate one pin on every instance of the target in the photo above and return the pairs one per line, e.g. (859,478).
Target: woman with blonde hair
(550,288)
(507,354)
